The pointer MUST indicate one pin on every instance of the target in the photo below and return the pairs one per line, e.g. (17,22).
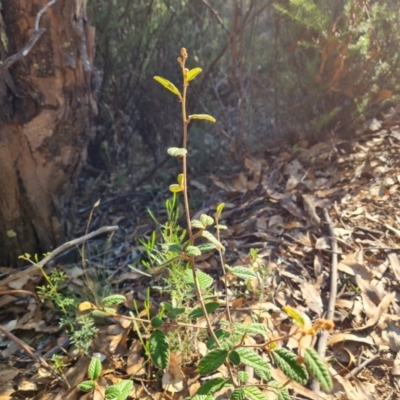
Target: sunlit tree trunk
(44,122)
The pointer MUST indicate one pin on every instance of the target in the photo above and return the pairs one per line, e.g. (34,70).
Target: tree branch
(38,32)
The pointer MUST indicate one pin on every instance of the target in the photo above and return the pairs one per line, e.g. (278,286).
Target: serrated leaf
(202,116)
(159,349)
(205,247)
(221,335)
(205,280)
(119,391)
(198,311)
(254,393)
(206,220)
(113,300)
(168,85)
(193,251)
(94,369)
(243,376)
(219,209)
(111,392)
(238,394)
(192,74)
(255,328)
(284,394)
(174,188)
(212,239)
(175,248)
(286,361)
(176,152)
(252,359)
(234,357)
(197,224)
(156,322)
(212,361)
(295,314)
(86,386)
(263,374)
(201,397)
(100,314)
(243,273)
(318,369)
(212,386)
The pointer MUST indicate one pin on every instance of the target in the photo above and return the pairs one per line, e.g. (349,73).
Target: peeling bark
(43,140)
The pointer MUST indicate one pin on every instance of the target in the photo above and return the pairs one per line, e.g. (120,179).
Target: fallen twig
(323,339)
(59,250)
(28,350)
(360,367)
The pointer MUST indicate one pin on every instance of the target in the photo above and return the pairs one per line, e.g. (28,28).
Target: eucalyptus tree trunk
(46,102)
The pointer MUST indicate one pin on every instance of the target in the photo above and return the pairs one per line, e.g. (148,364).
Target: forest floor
(293,205)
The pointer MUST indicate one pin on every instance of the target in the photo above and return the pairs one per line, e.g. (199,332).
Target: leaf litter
(275,206)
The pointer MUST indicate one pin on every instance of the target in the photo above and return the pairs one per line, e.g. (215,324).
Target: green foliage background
(271,69)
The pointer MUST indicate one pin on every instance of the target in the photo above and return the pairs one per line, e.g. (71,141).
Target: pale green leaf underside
(318,369)
(168,85)
(205,117)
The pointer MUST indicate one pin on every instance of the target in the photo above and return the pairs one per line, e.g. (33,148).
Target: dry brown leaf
(342,337)
(381,309)
(173,379)
(312,298)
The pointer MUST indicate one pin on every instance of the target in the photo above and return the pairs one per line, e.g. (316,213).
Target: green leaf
(254,328)
(113,300)
(119,391)
(263,374)
(156,322)
(243,273)
(234,357)
(287,362)
(94,369)
(86,386)
(197,224)
(159,349)
(193,251)
(167,306)
(205,247)
(318,369)
(220,207)
(175,248)
(192,74)
(296,315)
(168,85)
(176,152)
(212,361)
(252,359)
(243,376)
(221,335)
(254,393)
(205,280)
(198,311)
(202,116)
(212,239)
(111,392)
(206,220)
(221,227)
(212,386)
(174,188)
(201,397)
(284,394)
(238,394)
(100,314)
(180,179)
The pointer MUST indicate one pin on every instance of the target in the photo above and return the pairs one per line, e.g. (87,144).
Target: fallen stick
(323,339)
(59,250)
